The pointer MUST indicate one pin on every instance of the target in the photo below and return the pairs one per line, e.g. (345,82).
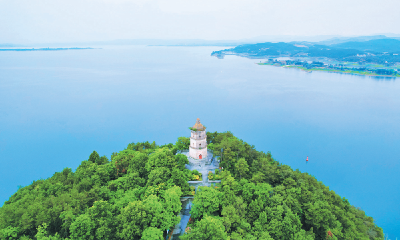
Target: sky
(46,21)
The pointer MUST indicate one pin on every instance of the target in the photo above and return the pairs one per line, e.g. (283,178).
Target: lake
(56,107)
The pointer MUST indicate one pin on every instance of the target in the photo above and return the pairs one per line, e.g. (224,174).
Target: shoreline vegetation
(137,195)
(43,49)
(366,72)
(378,57)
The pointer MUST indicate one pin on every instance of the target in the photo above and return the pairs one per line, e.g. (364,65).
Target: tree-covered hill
(373,51)
(137,195)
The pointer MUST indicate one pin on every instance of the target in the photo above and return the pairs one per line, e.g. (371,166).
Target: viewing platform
(202,162)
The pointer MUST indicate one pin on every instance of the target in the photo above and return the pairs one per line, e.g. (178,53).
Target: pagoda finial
(198,125)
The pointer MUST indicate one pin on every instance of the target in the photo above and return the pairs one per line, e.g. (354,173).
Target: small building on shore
(198,141)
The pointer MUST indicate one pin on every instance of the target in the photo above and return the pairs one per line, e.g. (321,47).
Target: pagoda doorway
(200,157)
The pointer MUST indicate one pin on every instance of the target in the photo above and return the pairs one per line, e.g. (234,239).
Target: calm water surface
(57,107)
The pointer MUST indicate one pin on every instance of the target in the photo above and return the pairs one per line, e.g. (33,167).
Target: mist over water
(57,107)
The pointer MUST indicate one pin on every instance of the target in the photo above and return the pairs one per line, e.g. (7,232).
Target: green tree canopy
(209,228)
(152,233)
(94,157)
(207,201)
(183,143)
(137,196)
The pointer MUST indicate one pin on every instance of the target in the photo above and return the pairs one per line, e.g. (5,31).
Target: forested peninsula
(136,195)
(376,57)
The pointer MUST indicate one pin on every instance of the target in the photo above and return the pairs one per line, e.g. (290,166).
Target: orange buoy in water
(307,160)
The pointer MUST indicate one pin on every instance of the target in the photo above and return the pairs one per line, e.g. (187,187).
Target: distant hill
(338,40)
(361,49)
(262,50)
(377,45)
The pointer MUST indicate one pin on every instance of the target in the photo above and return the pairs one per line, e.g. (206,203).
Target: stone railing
(198,148)
(195,181)
(214,181)
(199,138)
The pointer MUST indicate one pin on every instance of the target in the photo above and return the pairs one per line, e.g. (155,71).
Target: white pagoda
(198,141)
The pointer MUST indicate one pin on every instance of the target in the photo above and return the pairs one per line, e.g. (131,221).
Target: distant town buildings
(355,67)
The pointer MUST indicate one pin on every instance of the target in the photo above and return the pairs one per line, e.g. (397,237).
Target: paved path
(203,166)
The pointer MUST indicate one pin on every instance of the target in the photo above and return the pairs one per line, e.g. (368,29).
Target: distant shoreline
(325,69)
(43,49)
(378,57)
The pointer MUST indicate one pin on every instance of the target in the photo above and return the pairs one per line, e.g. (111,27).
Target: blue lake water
(56,107)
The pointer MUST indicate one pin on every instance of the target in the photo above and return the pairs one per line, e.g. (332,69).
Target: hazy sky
(87,20)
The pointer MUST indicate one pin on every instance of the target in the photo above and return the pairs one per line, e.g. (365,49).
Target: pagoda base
(202,162)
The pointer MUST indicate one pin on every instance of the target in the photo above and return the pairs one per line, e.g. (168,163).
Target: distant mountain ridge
(320,39)
(377,45)
(338,40)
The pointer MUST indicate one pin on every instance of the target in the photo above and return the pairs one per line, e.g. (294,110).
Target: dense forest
(136,195)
